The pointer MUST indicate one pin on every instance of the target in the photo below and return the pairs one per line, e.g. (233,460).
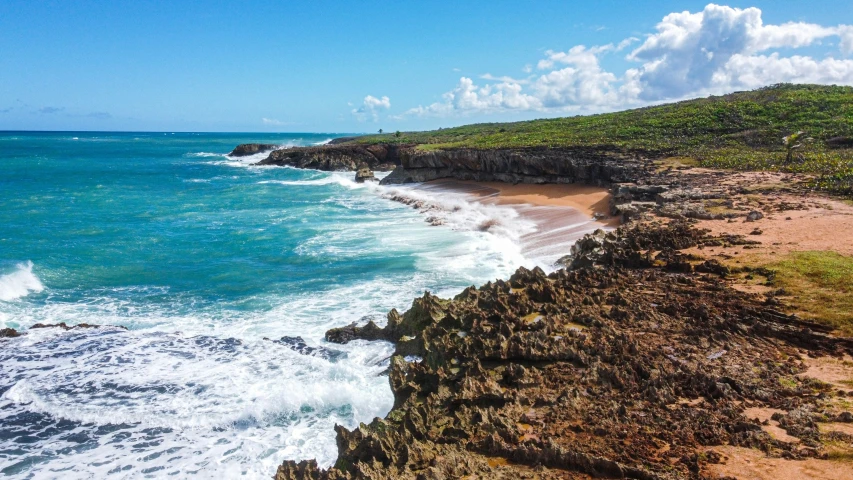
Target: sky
(335,66)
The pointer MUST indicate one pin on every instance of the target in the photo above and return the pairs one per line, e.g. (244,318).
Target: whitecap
(206,154)
(19,283)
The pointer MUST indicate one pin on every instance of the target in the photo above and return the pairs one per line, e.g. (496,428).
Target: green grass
(741,131)
(821,283)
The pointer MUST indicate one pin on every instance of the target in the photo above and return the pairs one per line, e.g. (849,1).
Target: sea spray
(19,283)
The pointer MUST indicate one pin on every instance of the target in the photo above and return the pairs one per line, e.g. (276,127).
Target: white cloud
(690,53)
(846,34)
(272,121)
(468,97)
(370,108)
(504,79)
(743,71)
(716,50)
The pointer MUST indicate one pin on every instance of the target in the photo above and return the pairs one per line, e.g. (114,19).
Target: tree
(397,134)
(793,142)
(380,131)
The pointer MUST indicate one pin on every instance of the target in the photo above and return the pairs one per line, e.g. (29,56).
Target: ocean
(204,270)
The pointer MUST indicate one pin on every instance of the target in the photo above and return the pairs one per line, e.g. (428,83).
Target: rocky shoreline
(641,359)
(627,364)
(409,164)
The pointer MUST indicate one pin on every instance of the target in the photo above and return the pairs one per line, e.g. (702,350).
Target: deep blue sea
(208,262)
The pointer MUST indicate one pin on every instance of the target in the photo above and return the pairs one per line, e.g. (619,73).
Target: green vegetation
(742,131)
(821,283)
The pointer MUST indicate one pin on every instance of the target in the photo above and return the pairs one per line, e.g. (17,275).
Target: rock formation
(529,165)
(251,149)
(623,366)
(410,164)
(364,174)
(337,157)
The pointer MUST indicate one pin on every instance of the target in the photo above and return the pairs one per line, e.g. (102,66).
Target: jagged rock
(247,149)
(590,371)
(364,175)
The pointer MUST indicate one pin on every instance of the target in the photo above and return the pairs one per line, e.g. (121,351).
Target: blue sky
(360,66)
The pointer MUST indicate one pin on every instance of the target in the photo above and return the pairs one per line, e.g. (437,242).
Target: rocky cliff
(337,157)
(531,165)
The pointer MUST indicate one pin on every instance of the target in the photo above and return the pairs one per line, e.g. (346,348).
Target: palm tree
(792,142)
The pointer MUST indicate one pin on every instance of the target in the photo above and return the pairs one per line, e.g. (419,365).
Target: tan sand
(587,199)
(825,224)
(562,213)
(748,463)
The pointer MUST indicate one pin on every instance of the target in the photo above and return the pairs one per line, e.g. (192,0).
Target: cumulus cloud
(468,97)
(697,52)
(716,50)
(370,108)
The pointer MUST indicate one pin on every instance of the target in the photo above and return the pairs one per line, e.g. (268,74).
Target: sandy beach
(562,213)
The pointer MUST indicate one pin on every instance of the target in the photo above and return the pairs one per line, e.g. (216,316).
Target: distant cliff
(517,165)
(522,165)
(337,157)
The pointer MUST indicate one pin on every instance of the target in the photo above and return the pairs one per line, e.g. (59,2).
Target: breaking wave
(19,283)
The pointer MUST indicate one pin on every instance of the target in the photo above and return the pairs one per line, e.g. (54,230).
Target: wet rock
(64,326)
(364,174)
(9,333)
(297,344)
(247,149)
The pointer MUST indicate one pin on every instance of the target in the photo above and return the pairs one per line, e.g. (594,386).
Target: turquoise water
(208,262)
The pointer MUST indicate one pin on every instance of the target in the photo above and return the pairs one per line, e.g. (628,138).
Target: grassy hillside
(742,130)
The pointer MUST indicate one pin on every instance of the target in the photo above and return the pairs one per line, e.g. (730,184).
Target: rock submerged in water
(247,149)
(364,174)
(9,333)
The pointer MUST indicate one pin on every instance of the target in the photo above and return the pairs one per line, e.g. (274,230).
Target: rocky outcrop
(247,149)
(348,157)
(529,165)
(410,164)
(364,175)
(623,366)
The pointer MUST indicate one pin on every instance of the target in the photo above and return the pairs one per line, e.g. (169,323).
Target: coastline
(519,378)
(560,213)
(587,199)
